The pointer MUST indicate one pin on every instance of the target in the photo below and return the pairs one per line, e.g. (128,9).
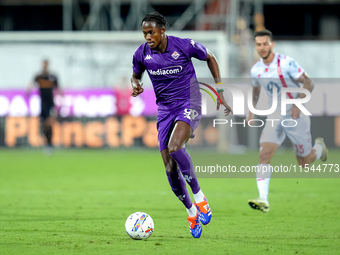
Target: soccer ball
(139,225)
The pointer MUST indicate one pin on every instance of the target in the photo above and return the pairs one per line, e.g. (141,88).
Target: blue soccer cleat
(195,226)
(204,211)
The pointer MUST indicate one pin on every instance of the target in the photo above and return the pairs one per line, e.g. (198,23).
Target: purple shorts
(167,119)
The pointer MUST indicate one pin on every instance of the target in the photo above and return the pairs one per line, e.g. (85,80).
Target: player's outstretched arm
(215,72)
(227,109)
(136,83)
(213,66)
(307,83)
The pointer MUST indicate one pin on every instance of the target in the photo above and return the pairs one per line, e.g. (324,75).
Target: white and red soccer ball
(139,225)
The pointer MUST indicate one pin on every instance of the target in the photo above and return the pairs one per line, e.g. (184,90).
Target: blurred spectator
(259,25)
(243,40)
(48,84)
(259,22)
(122,91)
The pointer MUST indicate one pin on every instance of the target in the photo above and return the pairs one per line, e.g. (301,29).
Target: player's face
(153,34)
(264,46)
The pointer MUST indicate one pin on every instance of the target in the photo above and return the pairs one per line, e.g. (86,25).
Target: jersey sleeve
(137,65)
(294,69)
(195,49)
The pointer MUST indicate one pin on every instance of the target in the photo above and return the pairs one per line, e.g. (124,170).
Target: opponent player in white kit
(275,71)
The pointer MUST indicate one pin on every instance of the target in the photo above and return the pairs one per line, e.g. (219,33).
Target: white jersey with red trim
(268,77)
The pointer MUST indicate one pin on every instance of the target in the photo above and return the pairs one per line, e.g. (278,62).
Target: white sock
(199,196)
(263,179)
(192,211)
(318,150)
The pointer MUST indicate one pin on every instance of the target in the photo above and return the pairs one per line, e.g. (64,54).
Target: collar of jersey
(166,49)
(274,60)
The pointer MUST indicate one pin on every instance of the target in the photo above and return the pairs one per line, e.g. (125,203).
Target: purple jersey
(172,70)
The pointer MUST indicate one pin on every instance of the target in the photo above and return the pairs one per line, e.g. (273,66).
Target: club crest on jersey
(175,55)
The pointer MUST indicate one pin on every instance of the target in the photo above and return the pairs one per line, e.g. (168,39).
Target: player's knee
(302,163)
(305,161)
(265,157)
(174,147)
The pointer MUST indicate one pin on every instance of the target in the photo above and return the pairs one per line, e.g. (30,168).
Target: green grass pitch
(77,201)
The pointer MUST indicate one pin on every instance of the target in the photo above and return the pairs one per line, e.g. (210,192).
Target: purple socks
(176,179)
(178,186)
(186,167)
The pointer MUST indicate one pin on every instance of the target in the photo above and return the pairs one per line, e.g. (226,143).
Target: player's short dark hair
(264,32)
(157,17)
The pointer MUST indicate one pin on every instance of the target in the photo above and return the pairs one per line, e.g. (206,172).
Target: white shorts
(275,132)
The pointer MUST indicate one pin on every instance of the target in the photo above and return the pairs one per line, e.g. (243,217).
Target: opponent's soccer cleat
(319,140)
(204,211)
(259,204)
(195,226)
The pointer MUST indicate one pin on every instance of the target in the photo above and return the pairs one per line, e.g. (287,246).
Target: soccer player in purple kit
(167,60)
